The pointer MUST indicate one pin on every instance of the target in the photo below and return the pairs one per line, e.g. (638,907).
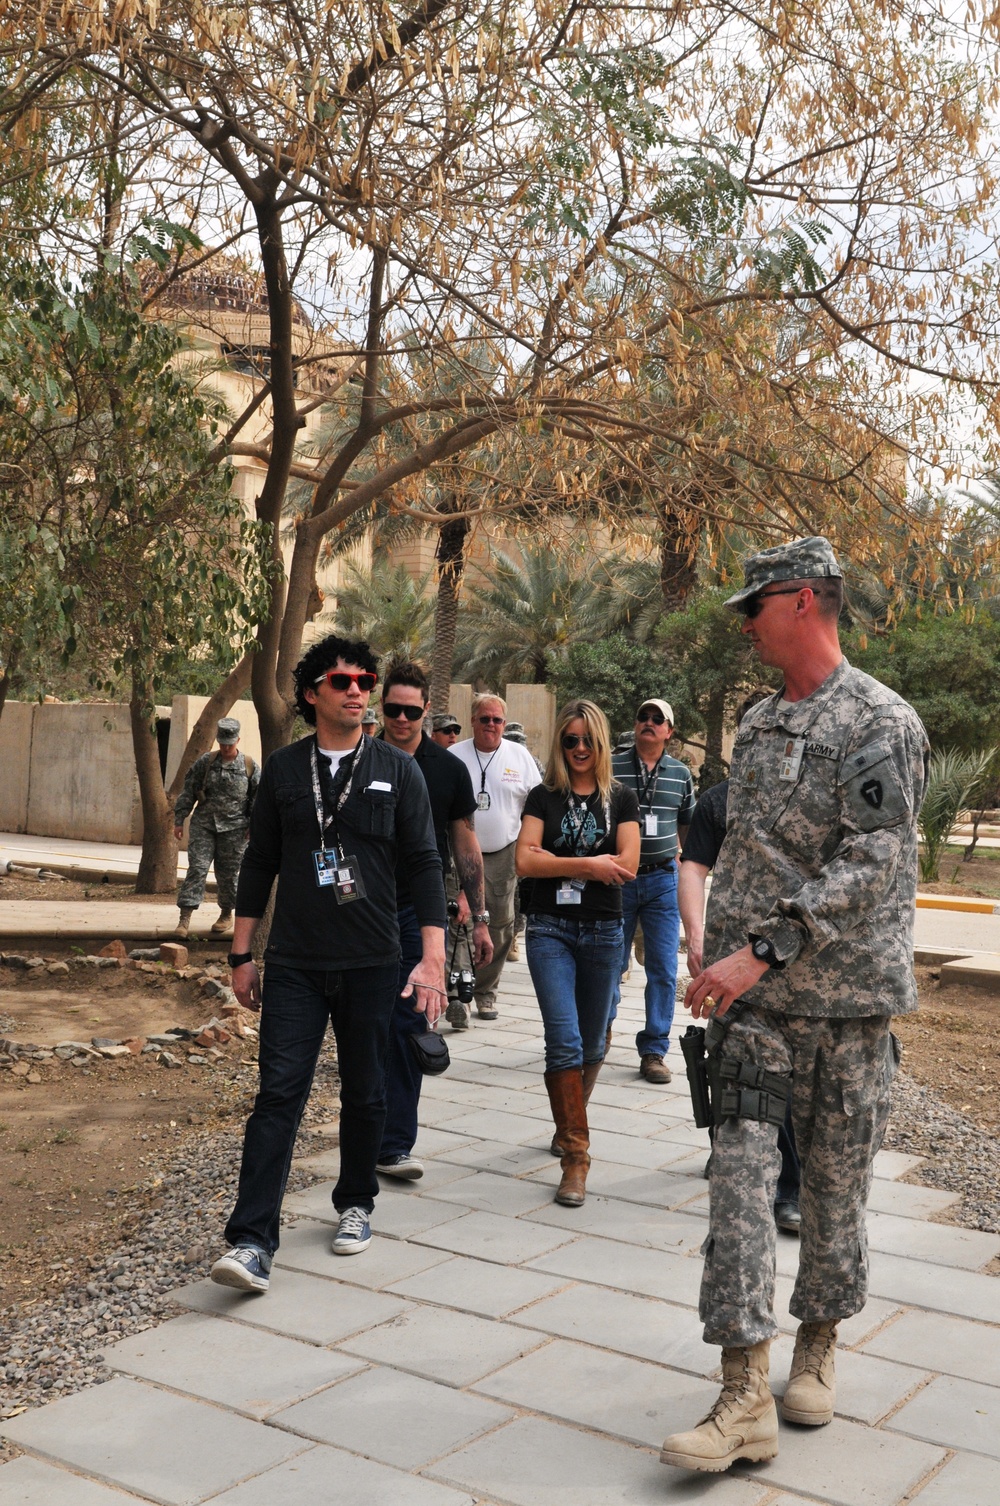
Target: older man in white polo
(502,774)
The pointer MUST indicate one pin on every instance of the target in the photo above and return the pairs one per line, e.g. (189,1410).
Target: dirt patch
(952,1046)
(978,879)
(16,886)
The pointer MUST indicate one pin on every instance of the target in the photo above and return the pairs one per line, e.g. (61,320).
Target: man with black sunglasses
(453,805)
(666,800)
(809,952)
(336,815)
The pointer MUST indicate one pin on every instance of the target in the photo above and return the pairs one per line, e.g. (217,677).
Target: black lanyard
(645,784)
(352,762)
(482,787)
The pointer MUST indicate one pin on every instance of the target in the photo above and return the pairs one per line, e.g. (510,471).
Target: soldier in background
(369,723)
(445,729)
(219,789)
(809,933)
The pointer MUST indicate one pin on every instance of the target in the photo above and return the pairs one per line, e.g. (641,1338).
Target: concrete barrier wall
(534,706)
(82,781)
(15,763)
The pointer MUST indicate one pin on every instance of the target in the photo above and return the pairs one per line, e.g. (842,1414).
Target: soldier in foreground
(809,934)
(220,789)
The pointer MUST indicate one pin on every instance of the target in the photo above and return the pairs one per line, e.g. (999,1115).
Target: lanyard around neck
(323,820)
(646,783)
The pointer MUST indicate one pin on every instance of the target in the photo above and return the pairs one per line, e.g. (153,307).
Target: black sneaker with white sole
(407,1168)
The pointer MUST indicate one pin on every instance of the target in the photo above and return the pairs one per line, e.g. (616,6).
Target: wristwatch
(482,918)
(763,949)
(237,959)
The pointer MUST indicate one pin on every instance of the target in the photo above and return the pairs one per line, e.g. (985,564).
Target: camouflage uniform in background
(221,796)
(820,858)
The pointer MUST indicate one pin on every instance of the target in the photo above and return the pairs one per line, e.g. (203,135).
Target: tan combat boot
(743,1424)
(224,924)
(565,1090)
(183,924)
(811,1393)
(591,1071)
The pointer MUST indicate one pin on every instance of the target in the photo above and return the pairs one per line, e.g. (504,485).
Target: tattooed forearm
(469,866)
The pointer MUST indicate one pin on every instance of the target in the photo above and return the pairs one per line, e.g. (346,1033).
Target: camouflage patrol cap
(514,733)
(228,731)
(802,559)
(369,719)
(444,721)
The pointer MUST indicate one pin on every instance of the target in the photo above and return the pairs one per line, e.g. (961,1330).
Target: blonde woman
(579,844)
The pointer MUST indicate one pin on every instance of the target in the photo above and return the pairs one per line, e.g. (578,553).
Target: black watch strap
(237,959)
(763,949)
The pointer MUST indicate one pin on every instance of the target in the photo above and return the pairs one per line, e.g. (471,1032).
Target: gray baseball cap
(228,731)
(444,721)
(802,559)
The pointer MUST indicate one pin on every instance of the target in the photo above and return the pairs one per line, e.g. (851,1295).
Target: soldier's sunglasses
(338,681)
(394,709)
(571,739)
(754,605)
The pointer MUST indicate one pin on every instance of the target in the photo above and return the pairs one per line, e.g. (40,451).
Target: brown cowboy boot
(811,1393)
(565,1090)
(590,1074)
(743,1424)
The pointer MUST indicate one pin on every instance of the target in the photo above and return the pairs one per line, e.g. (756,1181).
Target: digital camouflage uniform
(820,857)
(221,796)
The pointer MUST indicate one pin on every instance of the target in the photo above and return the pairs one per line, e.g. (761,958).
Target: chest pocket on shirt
(870,787)
(377,813)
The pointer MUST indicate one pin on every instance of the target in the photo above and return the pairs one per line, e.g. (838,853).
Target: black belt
(653,867)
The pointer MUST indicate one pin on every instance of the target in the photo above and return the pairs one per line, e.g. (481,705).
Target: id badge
(652,825)
(791,759)
(483,800)
(568,894)
(348,885)
(325,863)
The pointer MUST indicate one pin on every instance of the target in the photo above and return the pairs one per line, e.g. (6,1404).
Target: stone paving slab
(332,1477)
(399,1217)
(306,1247)
(918,1283)
(490,1236)
(632,1222)
(496,1155)
(166,1447)
(966,1480)
(960,1414)
(628,1268)
(398,1419)
(533,1462)
(868,1389)
(846,1464)
(638,1326)
(232,1364)
(953,1345)
(476,1286)
(657,1189)
(441,1344)
(515,1129)
(942,1244)
(33,1482)
(909,1201)
(496,1194)
(615,1394)
(299,1306)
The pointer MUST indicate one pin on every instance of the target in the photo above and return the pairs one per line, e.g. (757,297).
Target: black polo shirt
(708,827)
(449,786)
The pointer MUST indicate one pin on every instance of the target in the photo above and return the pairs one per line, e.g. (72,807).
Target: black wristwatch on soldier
(763,949)
(237,959)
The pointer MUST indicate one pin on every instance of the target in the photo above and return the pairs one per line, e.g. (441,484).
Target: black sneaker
(407,1168)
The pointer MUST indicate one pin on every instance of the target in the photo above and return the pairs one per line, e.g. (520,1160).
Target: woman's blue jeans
(574,965)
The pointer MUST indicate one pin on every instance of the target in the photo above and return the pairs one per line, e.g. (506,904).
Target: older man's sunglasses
(651,715)
(339,681)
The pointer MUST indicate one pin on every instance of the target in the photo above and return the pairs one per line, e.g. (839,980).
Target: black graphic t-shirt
(575,827)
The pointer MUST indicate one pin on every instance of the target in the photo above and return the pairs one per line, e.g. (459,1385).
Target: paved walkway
(492,1347)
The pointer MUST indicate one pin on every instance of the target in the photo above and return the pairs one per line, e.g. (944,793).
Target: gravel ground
(53,1347)
(961,1157)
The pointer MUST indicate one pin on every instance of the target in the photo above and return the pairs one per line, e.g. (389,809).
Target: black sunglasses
(651,716)
(491,721)
(754,605)
(392,709)
(339,681)
(570,740)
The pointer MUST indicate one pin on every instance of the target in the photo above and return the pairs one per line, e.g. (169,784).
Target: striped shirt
(667,794)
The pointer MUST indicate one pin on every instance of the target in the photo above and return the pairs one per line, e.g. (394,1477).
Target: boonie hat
(802,559)
(228,731)
(444,721)
(664,706)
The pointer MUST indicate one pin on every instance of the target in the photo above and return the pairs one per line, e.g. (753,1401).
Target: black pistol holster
(723,1087)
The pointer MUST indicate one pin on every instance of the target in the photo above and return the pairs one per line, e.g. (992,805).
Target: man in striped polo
(666,804)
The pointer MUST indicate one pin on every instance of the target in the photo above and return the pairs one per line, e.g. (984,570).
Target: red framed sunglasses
(337,680)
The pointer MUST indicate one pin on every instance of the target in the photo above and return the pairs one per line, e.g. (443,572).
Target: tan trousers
(501,890)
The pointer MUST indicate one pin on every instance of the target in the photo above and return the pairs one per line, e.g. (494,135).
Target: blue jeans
(298,1004)
(573,966)
(652,898)
(403,1076)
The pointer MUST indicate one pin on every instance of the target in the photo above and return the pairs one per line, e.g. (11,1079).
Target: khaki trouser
(501,890)
(842,1071)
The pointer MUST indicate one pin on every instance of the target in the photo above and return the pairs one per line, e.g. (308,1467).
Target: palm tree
(388,608)
(526,614)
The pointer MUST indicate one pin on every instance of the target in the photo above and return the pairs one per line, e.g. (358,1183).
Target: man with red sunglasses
(335,814)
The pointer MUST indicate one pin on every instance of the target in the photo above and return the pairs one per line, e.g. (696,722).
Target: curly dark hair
(322,656)
(407,673)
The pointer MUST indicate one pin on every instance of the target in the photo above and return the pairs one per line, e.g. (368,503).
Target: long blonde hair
(596,723)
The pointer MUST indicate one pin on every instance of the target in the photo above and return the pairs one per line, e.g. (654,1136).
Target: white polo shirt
(506,775)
